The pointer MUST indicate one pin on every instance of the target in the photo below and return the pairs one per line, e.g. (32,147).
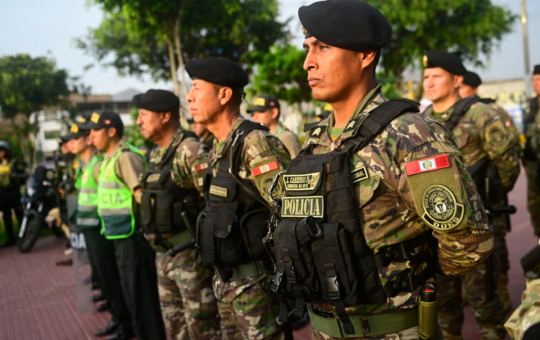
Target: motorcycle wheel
(31,232)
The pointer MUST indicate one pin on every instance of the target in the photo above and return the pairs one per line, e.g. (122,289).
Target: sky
(38,28)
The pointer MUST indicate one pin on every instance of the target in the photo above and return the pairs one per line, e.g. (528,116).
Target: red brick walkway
(37,298)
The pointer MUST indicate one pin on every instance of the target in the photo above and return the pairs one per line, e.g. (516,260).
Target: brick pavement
(37,298)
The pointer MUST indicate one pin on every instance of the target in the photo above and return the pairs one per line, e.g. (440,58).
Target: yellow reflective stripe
(88,190)
(111,185)
(88,221)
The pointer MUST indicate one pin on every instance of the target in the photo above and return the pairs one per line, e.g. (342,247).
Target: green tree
(147,37)
(280,72)
(29,85)
(468,28)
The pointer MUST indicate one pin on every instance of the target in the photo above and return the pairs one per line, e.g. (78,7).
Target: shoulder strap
(169,155)
(461,107)
(377,120)
(310,126)
(487,100)
(234,156)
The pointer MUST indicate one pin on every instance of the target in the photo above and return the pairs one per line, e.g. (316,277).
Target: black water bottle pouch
(230,249)
(254,227)
(147,215)
(334,256)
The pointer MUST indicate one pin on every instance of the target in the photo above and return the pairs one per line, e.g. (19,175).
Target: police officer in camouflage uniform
(529,158)
(12,176)
(484,140)
(411,196)
(244,159)
(266,110)
(500,222)
(171,201)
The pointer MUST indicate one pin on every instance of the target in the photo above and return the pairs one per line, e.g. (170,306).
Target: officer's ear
(224,95)
(111,132)
(165,117)
(458,80)
(275,113)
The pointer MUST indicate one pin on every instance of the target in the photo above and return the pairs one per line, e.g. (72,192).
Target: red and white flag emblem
(264,168)
(202,166)
(427,164)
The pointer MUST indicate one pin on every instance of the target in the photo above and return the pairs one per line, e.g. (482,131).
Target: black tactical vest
(320,248)
(165,204)
(230,233)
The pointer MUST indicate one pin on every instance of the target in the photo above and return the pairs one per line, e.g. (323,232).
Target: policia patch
(302,206)
(441,211)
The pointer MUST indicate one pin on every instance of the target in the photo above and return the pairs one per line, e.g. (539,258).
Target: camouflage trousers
(489,314)
(246,311)
(187,302)
(528,313)
(500,226)
(533,196)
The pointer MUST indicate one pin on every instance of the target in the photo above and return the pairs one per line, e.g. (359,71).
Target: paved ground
(37,298)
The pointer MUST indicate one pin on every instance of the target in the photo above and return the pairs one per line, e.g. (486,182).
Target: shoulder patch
(497,136)
(265,168)
(202,166)
(427,164)
(441,210)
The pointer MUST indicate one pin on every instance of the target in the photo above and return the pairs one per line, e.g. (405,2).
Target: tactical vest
(6,172)
(529,152)
(320,248)
(115,199)
(163,201)
(87,202)
(233,227)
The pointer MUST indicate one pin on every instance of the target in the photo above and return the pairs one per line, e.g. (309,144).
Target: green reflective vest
(5,174)
(115,199)
(87,201)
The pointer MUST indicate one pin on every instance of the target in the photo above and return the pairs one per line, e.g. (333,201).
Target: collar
(445,115)
(221,148)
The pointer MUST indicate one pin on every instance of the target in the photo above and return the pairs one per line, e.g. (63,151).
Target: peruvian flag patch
(201,166)
(265,168)
(427,164)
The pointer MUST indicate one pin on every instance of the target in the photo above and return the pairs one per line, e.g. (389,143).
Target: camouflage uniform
(501,223)
(185,288)
(244,307)
(208,140)
(390,201)
(480,133)
(529,161)
(528,313)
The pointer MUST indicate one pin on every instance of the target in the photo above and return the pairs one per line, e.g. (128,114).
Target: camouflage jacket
(392,200)
(527,314)
(190,161)
(260,148)
(514,132)
(481,133)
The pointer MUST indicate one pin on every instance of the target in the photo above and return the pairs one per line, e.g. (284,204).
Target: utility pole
(525,32)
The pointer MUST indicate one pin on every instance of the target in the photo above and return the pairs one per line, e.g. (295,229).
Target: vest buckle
(332,283)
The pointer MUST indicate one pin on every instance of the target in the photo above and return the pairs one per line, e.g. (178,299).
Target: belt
(171,242)
(364,325)
(243,271)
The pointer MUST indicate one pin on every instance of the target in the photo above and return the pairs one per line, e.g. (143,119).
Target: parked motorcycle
(38,199)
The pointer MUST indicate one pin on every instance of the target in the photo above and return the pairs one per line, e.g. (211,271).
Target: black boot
(120,334)
(98,297)
(104,306)
(111,327)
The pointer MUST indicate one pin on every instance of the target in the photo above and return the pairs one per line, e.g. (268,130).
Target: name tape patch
(301,182)
(427,164)
(265,168)
(153,178)
(359,174)
(218,191)
(302,206)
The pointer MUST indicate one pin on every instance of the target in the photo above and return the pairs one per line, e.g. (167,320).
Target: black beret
(536,69)
(156,100)
(349,24)
(217,70)
(444,60)
(472,79)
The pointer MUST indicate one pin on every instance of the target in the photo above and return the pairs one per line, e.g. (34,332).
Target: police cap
(156,100)
(472,79)
(536,69)
(444,60)
(264,102)
(348,24)
(104,119)
(217,70)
